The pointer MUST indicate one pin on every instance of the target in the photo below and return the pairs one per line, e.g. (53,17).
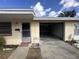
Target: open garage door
(55,30)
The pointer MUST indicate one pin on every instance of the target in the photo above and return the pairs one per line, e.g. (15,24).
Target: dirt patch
(34,53)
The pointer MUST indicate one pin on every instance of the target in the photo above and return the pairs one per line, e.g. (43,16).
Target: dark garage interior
(54,30)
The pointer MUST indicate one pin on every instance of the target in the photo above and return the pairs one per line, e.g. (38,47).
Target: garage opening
(54,30)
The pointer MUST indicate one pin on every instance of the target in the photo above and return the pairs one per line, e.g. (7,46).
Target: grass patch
(5,54)
(2,43)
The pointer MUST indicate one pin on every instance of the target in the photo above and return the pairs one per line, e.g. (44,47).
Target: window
(5,28)
(76,29)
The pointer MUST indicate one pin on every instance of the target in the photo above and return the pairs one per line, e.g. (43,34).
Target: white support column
(35,36)
(69,31)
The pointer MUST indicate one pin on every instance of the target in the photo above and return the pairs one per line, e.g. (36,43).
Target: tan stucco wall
(69,30)
(16,35)
(35,36)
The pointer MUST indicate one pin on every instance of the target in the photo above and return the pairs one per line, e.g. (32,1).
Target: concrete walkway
(20,53)
(50,49)
(57,49)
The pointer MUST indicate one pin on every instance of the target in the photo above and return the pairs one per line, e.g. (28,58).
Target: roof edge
(17,11)
(56,18)
(13,9)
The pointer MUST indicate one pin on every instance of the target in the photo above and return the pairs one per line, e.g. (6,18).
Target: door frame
(29,33)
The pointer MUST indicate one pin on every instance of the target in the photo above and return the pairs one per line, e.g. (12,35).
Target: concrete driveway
(52,48)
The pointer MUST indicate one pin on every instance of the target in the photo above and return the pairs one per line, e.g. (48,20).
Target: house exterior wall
(16,36)
(35,36)
(69,30)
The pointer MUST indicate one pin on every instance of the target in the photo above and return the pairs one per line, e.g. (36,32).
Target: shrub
(2,42)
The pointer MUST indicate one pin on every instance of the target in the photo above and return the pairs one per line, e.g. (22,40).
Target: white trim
(55,18)
(16,11)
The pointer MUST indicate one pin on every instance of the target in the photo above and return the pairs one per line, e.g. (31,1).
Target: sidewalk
(20,53)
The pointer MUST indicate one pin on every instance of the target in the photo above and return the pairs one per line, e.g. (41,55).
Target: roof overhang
(28,14)
(15,14)
(56,19)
